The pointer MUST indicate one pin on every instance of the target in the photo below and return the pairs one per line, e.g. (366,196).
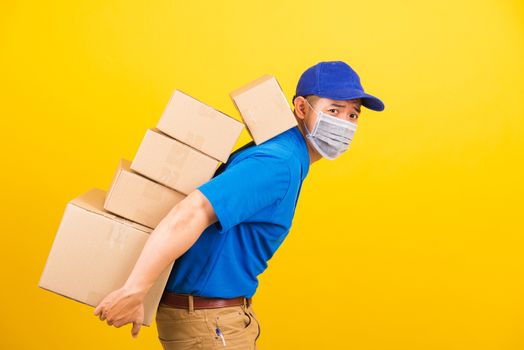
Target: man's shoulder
(281,148)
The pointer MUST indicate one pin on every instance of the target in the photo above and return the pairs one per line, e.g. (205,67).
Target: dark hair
(305,96)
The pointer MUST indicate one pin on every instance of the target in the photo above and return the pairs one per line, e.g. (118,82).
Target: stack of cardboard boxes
(177,156)
(101,235)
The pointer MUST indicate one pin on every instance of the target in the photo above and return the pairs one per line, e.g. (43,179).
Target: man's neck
(313,154)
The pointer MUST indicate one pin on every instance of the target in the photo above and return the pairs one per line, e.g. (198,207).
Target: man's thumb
(136,329)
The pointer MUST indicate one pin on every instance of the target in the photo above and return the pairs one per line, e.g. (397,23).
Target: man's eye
(332,110)
(353,116)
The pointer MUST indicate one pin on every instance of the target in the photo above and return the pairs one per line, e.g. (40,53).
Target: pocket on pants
(239,329)
(185,344)
(232,321)
(255,320)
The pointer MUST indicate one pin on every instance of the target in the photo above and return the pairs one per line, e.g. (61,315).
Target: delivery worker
(224,232)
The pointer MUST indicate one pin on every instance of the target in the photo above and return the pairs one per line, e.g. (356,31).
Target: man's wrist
(135,290)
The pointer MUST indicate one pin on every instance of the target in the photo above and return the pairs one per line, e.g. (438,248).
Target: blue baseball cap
(335,80)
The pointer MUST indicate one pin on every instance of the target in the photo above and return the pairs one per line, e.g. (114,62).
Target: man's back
(254,197)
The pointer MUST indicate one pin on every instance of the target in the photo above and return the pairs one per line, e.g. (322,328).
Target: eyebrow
(342,106)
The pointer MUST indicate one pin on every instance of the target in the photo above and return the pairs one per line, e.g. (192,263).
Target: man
(223,233)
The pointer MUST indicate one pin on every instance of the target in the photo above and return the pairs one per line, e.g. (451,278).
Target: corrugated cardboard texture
(264,108)
(172,163)
(139,199)
(200,126)
(93,254)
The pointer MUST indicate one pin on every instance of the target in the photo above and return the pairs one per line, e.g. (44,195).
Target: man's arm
(172,237)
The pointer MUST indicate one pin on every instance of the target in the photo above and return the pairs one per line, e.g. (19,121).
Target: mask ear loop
(310,135)
(316,122)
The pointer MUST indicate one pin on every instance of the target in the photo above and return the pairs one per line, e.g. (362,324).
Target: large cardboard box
(264,108)
(172,163)
(94,252)
(139,199)
(200,126)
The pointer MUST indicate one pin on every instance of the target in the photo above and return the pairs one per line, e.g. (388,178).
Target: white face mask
(331,136)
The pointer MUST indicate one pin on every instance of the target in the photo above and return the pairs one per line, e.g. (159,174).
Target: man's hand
(121,307)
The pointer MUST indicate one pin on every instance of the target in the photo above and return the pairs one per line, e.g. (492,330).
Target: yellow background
(411,240)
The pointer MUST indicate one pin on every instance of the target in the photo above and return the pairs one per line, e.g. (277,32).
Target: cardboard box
(264,108)
(139,199)
(172,163)
(200,126)
(94,252)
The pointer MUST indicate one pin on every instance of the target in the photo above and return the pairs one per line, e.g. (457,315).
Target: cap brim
(372,102)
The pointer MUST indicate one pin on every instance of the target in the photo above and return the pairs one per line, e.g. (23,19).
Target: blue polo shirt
(254,196)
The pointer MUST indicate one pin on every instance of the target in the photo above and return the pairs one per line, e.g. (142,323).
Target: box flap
(251,85)
(93,200)
(178,91)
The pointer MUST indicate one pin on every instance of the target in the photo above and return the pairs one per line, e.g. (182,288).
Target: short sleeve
(246,187)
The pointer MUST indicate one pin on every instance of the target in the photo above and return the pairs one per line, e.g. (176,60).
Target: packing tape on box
(149,193)
(249,114)
(156,196)
(206,111)
(117,237)
(177,155)
(169,176)
(143,213)
(280,102)
(280,106)
(193,139)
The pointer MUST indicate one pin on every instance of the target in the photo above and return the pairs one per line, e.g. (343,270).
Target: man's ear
(300,106)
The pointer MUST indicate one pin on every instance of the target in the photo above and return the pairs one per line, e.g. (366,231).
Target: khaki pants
(190,328)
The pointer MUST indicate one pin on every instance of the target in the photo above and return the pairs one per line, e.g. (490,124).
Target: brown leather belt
(182,301)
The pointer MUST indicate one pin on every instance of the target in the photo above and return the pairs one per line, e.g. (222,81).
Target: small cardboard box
(200,126)
(264,108)
(172,163)
(94,252)
(139,199)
